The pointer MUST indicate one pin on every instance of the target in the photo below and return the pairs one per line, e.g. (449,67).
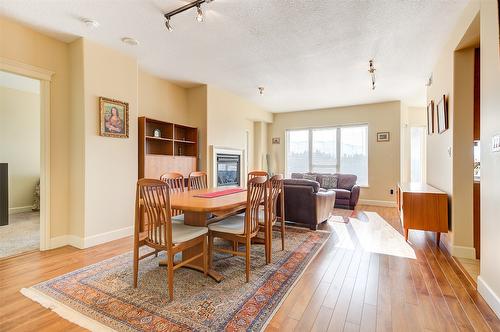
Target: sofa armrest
(325,200)
(354,196)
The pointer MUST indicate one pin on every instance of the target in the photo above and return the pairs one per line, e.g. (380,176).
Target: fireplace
(228,170)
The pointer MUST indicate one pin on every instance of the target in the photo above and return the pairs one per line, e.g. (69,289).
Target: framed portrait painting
(430,118)
(442,115)
(114,118)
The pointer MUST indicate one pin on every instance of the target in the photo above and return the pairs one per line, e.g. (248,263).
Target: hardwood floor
(346,287)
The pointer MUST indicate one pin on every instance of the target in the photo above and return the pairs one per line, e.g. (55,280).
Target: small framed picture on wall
(383,136)
(442,114)
(114,118)
(430,118)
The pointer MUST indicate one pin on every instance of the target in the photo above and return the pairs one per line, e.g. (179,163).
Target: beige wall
(383,158)
(260,145)
(229,118)
(110,163)
(27,46)
(20,144)
(445,170)
(197,112)
(162,100)
(489,280)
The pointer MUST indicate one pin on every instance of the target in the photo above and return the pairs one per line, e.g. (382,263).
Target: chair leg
(205,256)
(270,243)
(136,263)
(210,245)
(247,259)
(170,272)
(282,234)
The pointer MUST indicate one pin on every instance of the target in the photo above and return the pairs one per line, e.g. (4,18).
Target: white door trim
(44,76)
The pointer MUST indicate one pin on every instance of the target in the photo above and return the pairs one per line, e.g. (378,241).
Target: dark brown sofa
(346,189)
(306,204)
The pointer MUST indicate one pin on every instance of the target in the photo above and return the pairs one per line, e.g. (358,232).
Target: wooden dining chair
(254,174)
(275,192)
(241,228)
(197,180)
(161,234)
(176,184)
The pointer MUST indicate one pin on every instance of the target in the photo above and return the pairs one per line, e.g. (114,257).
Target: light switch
(495,143)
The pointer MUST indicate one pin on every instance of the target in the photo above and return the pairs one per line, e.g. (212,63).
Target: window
(328,150)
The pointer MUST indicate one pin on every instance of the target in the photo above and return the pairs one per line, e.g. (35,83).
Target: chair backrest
(155,198)
(197,180)
(254,174)
(274,188)
(256,193)
(174,180)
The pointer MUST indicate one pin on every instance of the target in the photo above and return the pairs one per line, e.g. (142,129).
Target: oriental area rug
(101,297)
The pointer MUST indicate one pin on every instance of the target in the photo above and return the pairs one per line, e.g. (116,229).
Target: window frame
(338,146)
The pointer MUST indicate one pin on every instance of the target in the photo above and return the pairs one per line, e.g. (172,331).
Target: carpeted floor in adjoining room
(101,295)
(22,234)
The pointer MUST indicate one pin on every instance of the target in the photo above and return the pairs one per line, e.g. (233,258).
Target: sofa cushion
(297,175)
(302,182)
(346,181)
(328,181)
(342,193)
(312,177)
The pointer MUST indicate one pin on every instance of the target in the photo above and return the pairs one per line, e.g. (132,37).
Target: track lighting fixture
(200,16)
(372,70)
(168,25)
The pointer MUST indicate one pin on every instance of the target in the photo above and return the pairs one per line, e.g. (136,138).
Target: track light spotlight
(199,14)
(168,25)
(372,70)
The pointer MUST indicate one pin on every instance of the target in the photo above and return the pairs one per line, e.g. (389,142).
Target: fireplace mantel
(231,151)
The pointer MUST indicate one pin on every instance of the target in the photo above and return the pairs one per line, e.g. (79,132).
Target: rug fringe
(64,311)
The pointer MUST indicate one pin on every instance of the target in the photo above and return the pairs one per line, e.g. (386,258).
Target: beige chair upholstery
(234,225)
(183,233)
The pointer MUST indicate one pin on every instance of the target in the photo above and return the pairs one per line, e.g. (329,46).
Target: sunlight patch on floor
(374,235)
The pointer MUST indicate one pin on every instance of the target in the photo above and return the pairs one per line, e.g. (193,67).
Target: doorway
(417,154)
(20,169)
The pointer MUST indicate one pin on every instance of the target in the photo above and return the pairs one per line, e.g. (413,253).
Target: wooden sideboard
(422,207)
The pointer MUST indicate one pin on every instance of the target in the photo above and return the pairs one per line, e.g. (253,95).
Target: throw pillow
(312,177)
(329,182)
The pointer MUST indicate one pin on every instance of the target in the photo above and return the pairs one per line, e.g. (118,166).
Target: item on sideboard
(430,118)
(495,143)
(157,133)
(114,118)
(442,114)
(383,136)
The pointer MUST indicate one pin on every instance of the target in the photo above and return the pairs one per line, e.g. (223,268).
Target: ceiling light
(90,23)
(168,25)
(199,14)
(130,41)
(372,70)
(261,90)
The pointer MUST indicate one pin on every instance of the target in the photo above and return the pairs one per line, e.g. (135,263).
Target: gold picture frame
(114,118)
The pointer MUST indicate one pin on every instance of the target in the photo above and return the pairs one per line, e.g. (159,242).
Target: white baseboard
(489,295)
(94,240)
(463,252)
(377,203)
(20,209)
(90,241)
(65,240)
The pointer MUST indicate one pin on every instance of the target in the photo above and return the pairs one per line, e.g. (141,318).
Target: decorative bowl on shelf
(157,133)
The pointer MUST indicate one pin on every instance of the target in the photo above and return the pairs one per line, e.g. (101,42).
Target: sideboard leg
(438,238)
(406,234)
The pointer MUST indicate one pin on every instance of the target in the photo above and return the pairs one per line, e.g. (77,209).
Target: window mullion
(310,149)
(337,150)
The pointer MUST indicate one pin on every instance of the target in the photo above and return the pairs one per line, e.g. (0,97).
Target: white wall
(410,117)
(20,144)
(489,279)
(383,157)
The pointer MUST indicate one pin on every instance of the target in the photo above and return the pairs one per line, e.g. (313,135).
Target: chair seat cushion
(182,233)
(342,193)
(178,218)
(234,225)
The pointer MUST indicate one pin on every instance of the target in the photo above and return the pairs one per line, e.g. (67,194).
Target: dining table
(199,210)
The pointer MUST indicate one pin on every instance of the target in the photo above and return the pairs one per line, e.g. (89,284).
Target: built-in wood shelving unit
(176,148)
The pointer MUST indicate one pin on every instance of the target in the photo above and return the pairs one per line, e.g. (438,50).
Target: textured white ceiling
(306,53)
